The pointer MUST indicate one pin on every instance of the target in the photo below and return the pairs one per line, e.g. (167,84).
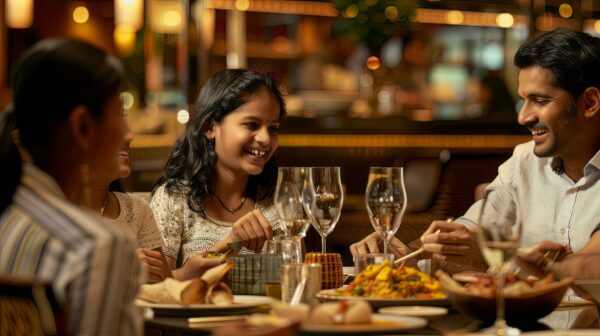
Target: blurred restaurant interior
(428,84)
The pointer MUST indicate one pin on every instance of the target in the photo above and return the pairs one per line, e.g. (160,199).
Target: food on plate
(174,291)
(206,289)
(261,320)
(297,313)
(342,312)
(220,294)
(386,282)
(485,285)
(213,254)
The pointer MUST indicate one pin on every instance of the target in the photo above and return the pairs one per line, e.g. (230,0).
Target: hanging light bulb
(167,17)
(129,13)
(19,13)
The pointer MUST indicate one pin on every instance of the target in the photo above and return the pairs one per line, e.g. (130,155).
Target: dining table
(452,323)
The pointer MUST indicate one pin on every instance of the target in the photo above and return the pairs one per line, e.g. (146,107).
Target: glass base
(500,328)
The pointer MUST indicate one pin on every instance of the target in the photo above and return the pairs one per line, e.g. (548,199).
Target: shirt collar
(556,164)
(593,165)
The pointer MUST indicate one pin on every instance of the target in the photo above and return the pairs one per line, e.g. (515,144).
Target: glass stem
(323,244)
(298,243)
(385,244)
(500,323)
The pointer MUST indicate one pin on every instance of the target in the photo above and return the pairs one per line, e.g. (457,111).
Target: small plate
(420,311)
(572,332)
(380,324)
(242,304)
(348,270)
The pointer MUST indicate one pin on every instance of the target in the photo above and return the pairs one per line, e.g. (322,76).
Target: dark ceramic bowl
(520,310)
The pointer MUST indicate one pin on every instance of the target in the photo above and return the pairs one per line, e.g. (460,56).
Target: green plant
(373,22)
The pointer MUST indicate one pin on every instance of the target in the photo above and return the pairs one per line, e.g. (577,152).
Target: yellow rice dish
(386,282)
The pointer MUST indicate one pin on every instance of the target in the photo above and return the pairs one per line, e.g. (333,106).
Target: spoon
(300,288)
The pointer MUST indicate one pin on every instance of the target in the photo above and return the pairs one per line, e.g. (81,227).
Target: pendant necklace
(231,210)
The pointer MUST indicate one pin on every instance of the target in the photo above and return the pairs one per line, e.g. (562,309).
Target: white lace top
(186,233)
(136,221)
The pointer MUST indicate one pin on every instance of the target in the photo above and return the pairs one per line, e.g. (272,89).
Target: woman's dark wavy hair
(191,164)
(572,57)
(50,80)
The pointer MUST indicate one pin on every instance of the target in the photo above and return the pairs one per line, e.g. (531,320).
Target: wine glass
(385,198)
(324,199)
(289,202)
(499,236)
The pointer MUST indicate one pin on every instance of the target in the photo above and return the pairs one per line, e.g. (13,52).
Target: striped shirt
(93,269)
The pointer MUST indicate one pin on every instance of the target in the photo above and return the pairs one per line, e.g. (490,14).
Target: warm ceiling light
(373,62)
(171,18)
(597,26)
(124,37)
(167,17)
(242,5)
(505,20)
(455,17)
(81,14)
(565,10)
(351,12)
(391,13)
(129,13)
(19,13)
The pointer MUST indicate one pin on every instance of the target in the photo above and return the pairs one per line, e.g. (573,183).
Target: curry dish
(386,282)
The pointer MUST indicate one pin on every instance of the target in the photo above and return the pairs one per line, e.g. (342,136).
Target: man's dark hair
(572,57)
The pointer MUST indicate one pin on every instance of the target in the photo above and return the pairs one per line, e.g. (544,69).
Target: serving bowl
(524,308)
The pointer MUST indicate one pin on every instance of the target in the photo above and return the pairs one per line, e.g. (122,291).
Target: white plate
(331,295)
(380,324)
(422,311)
(241,304)
(573,332)
(348,270)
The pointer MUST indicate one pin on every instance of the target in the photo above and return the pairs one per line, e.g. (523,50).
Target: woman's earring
(85,182)
(211,142)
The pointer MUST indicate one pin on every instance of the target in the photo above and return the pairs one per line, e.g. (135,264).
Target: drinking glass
(289,202)
(385,198)
(499,236)
(323,200)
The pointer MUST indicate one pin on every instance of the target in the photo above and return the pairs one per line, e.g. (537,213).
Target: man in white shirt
(551,181)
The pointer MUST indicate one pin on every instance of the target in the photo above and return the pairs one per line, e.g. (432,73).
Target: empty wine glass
(289,201)
(324,199)
(385,198)
(499,235)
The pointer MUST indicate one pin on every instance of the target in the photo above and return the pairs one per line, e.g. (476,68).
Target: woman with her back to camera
(219,179)
(65,127)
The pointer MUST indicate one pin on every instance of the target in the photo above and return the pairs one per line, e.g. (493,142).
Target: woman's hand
(253,229)
(155,263)
(454,247)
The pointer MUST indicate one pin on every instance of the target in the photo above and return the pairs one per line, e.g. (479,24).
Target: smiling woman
(219,179)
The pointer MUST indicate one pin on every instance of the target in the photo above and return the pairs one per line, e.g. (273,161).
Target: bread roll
(344,312)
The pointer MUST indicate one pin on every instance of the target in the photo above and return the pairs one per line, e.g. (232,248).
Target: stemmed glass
(499,236)
(385,198)
(289,202)
(324,199)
